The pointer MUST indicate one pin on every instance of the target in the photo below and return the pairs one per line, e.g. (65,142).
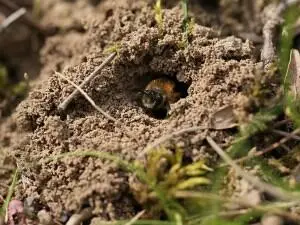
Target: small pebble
(64,216)
(271,220)
(253,197)
(44,217)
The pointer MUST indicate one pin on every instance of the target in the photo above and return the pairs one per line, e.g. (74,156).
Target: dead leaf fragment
(294,72)
(223,119)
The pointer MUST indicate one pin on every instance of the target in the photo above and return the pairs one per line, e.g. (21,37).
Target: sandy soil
(218,68)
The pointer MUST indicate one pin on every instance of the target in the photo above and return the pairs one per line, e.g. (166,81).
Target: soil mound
(217,71)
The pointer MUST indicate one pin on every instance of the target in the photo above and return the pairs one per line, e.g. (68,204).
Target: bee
(158,95)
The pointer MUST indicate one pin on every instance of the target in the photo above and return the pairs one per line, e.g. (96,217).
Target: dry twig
(276,208)
(66,102)
(281,122)
(12,18)
(286,134)
(78,88)
(270,148)
(77,219)
(135,218)
(26,18)
(262,186)
(233,213)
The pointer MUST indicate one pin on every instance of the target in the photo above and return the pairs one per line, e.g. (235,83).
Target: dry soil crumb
(220,71)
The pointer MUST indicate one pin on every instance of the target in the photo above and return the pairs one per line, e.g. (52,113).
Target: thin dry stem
(26,18)
(66,102)
(285,134)
(271,207)
(262,186)
(135,218)
(282,122)
(79,89)
(77,219)
(210,196)
(276,211)
(270,148)
(12,18)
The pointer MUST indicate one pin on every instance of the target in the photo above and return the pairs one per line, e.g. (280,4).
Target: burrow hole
(143,81)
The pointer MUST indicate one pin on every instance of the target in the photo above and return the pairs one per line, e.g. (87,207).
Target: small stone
(271,220)
(64,217)
(253,197)
(44,217)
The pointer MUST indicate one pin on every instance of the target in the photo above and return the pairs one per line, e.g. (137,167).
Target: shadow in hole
(143,81)
(296,42)
(122,91)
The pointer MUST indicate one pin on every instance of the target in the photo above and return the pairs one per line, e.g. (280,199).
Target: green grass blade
(10,193)
(185,21)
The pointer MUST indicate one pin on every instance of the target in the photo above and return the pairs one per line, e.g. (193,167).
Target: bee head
(153,100)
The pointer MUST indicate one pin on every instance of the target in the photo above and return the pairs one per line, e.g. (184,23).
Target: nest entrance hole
(180,87)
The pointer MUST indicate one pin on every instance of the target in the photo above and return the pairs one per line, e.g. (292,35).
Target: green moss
(113,48)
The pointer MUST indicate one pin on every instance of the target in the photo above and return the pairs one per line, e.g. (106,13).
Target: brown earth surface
(219,70)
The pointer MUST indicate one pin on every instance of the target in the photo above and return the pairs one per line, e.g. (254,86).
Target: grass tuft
(158,182)
(113,48)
